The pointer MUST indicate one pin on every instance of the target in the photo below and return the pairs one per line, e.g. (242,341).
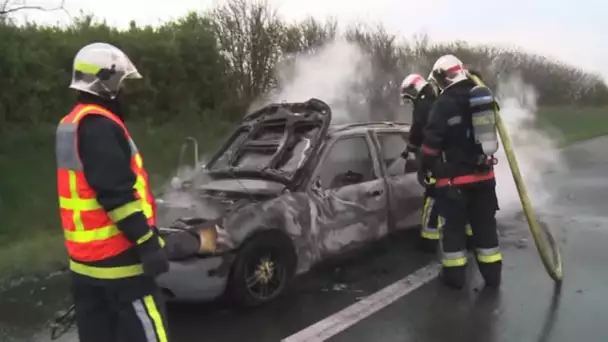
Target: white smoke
(175,203)
(537,154)
(337,74)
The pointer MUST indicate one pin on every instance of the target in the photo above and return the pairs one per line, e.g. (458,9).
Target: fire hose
(547,249)
(62,323)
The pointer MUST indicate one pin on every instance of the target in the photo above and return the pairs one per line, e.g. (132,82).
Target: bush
(214,64)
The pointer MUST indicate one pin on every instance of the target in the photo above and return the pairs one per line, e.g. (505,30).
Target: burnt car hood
(213,200)
(266,154)
(275,142)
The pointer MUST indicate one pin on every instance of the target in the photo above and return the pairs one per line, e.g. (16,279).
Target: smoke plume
(337,73)
(536,153)
(175,203)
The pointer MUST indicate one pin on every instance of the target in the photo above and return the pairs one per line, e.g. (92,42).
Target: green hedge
(212,65)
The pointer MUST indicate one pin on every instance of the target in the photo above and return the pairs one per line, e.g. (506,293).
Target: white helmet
(411,87)
(100,68)
(447,71)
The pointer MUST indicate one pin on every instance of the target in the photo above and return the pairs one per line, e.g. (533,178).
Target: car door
(349,194)
(405,195)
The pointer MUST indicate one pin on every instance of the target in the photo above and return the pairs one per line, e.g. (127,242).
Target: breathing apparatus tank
(483,107)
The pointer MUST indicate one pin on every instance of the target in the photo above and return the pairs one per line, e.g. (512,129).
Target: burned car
(287,190)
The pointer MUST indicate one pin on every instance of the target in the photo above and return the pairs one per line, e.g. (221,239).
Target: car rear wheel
(262,269)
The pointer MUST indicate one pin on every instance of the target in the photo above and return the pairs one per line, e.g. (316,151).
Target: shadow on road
(552,313)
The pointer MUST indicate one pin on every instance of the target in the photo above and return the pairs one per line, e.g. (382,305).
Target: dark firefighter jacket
(449,149)
(422,107)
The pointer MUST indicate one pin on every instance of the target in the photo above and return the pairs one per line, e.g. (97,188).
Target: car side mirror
(182,152)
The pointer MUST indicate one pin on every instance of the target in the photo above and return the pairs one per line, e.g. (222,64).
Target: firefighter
(106,207)
(421,94)
(459,141)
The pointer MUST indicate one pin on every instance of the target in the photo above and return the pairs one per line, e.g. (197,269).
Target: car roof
(362,127)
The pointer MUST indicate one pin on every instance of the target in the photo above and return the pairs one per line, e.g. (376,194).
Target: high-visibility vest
(90,232)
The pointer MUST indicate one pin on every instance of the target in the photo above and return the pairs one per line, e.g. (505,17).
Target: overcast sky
(571,30)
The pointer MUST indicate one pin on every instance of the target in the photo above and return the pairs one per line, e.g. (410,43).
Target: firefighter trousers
(129,310)
(432,223)
(476,203)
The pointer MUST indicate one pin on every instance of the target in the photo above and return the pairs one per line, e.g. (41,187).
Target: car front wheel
(262,269)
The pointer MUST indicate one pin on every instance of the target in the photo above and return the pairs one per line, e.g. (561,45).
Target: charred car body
(286,191)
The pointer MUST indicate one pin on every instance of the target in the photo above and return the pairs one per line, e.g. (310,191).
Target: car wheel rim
(265,276)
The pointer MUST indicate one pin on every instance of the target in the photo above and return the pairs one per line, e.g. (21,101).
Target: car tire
(271,246)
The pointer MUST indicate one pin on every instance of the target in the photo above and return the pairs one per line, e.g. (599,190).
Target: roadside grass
(571,124)
(30,237)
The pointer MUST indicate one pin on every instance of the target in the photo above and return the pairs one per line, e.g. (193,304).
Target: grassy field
(570,124)
(30,239)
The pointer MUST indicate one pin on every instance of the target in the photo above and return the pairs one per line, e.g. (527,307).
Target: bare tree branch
(7,8)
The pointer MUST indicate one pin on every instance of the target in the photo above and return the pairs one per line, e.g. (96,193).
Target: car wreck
(286,191)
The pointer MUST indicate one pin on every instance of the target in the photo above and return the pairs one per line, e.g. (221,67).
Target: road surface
(390,292)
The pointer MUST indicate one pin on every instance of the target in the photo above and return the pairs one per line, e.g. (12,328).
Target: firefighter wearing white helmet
(421,94)
(107,209)
(459,141)
(100,69)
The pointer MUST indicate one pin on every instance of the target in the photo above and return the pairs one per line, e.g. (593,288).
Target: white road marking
(349,316)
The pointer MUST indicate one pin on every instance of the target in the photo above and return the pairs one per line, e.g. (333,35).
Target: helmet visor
(409,93)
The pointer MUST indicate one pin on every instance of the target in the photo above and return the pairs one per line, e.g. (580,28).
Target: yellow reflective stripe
(107,272)
(469,230)
(140,187)
(138,161)
(488,255)
(125,211)
(78,224)
(488,259)
(153,312)
(145,237)
(86,68)
(425,210)
(431,235)
(454,262)
(86,236)
(454,259)
(79,204)
(431,180)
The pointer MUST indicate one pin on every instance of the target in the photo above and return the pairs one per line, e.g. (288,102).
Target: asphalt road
(363,300)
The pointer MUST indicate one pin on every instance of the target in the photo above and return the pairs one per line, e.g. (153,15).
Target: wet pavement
(527,307)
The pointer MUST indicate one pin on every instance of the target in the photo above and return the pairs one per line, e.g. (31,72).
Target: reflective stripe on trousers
(151,319)
(434,233)
(430,231)
(454,259)
(488,255)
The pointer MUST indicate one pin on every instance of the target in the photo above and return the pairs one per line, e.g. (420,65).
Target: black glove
(155,263)
(409,149)
(153,257)
(421,178)
(426,163)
